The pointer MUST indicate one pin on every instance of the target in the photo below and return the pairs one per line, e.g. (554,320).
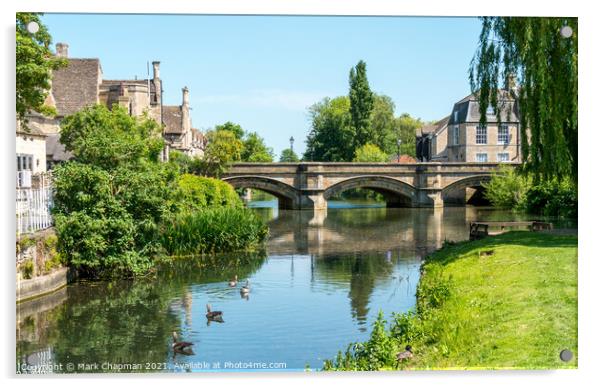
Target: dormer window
(490,111)
(456,116)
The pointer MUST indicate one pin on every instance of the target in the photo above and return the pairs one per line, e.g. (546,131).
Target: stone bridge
(310,185)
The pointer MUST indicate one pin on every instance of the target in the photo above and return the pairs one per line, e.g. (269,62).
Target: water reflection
(320,284)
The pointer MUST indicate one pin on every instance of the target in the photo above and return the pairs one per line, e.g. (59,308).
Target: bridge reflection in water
(318,232)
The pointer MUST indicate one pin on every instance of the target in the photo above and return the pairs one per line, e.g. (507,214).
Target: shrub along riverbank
(118,208)
(503,302)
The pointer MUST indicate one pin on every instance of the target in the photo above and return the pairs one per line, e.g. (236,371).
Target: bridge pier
(432,197)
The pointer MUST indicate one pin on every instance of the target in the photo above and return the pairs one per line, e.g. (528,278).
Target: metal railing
(33,206)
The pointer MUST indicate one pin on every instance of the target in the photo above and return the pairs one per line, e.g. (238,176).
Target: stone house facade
(81,84)
(460,137)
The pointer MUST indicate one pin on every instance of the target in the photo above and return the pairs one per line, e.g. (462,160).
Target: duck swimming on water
(246,289)
(183,347)
(233,282)
(213,315)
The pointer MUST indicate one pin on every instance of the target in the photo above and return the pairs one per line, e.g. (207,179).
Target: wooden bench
(480,230)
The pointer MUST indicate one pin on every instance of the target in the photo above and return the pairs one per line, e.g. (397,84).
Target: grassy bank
(513,309)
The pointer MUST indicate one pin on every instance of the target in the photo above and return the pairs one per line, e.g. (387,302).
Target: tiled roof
(172,117)
(432,128)
(76,86)
(467,109)
(403,159)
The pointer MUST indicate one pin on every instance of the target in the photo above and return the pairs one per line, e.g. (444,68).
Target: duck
(213,315)
(183,347)
(405,355)
(245,289)
(233,282)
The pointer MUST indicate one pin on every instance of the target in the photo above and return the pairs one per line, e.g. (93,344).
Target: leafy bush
(27,269)
(553,198)
(213,230)
(370,153)
(197,192)
(507,188)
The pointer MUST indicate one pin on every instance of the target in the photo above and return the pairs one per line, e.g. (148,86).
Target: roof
(467,109)
(76,85)
(172,118)
(55,149)
(435,127)
(403,159)
(29,130)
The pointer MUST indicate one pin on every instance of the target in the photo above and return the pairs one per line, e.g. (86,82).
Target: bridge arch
(465,190)
(397,193)
(287,195)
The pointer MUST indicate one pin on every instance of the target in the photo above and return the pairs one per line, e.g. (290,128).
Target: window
(503,157)
(456,135)
(482,134)
(503,134)
(490,111)
(24,162)
(456,116)
(481,157)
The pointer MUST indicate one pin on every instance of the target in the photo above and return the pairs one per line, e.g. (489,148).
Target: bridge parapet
(304,185)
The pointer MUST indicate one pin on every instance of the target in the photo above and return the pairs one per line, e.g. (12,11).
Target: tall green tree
(383,124)
(331,135)
(405,128)
(232,127)
(255,149)
(361,101)
(34,65)
(222,149)
(370,153)
(542,55)
(289,156)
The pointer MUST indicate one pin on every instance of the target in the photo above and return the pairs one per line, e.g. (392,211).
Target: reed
(213,230)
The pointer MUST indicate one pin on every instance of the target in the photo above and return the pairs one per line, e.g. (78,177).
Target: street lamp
(398,149)
(292,140)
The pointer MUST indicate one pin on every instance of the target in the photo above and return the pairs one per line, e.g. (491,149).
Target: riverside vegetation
(118,209)
(514,307)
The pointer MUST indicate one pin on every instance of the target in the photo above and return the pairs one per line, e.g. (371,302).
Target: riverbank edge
(432,276)
(29,289)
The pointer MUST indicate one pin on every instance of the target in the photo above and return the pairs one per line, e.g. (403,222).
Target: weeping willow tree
(541,55)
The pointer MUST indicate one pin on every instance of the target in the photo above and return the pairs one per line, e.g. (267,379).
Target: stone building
(81,84)
(461,138)
(468,140)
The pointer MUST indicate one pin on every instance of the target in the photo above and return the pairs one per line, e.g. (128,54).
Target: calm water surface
(319,286)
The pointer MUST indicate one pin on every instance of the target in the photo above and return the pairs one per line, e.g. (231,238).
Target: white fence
(33,208)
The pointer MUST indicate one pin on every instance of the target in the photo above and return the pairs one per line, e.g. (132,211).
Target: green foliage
(361,101)
(184,163)
(545,64)
(255,150)
(27,269)
(331,136)
(370,153)
(405,128)
(222,149)
(507,188)
(213,230)
(510,188)
(110,138)
(34,65)
(197,192)
(236,129)
(289,156)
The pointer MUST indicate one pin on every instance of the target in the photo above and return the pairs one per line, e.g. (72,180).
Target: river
(318,286)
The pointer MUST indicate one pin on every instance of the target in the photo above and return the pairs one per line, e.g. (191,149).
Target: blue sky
(264,71)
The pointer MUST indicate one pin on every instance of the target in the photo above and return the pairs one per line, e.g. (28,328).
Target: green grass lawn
(516,308)
(503,302)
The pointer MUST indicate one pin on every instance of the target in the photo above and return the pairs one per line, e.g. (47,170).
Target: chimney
(62,50)
(185,97)
(156,69)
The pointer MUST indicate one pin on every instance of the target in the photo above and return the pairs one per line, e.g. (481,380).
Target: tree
(331,136)
(361,101)
(405,128)
(533,51)
(232,127)
(383,131)
(222,149)
(370,153)
(255,149)
(289,156)
(34,65)
(108,139)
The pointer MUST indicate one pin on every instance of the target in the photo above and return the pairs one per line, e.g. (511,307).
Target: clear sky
(262,72)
